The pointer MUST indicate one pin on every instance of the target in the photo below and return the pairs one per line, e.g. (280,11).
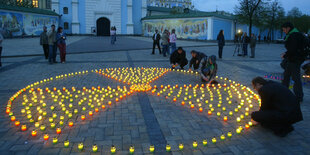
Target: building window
(66,25)
(65,10)
(48,4)
(35,3)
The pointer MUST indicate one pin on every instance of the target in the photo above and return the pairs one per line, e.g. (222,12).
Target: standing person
(44,41)
(113,35)
(52,45)
(279,107)
(294,56)
(253,45)
(259,38)
(245,42)
(196,59)
(173,39)
(178,57)
(221,43)
(156,39)
(264,38)
(1,40)
(61,43)
(209,69)
(165,42)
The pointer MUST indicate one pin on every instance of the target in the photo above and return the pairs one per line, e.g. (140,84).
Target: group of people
(242,40)
(168,40)
(50,40)
(208,66)
(280,107)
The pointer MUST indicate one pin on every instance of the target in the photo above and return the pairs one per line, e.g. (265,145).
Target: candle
(24,128)
(66,143)
(131,149)
(103,106)
(168,148)
(42,127)
(13,118)
(90,113)
(181,147)
(152,148)
(195,144)
(209,112)
(70,123)
(213,140)
(34,133)
(223,137)
(192,106)
(45,137)
(80,146)
(225,118)
(17,123)
(53,125)
(113,149)
(204,142)
(58,130)
(55,140)
(83,117)
(95,148)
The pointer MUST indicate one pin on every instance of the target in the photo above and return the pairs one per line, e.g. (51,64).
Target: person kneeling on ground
(178,57)
(196,59)
(279,107)
(209,69)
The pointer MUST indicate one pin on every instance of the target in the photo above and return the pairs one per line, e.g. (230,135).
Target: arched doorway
(103,27)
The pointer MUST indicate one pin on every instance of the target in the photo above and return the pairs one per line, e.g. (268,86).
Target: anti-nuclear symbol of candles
(50,112)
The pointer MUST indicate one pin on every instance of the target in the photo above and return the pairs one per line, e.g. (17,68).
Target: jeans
(292,69)
(165,50)
(245,49)
(52,53)
(45,49)
(220,51)
(173,47)
(113,39)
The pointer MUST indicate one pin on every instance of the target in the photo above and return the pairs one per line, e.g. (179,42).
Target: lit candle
(24,128)
(213,140)
(34,133)
(90,113)
(181,147)
(13,118)
(223,137)
(113,149)
(55,140)
(70,123)
(195,144)
(229,134)
(204,142)
(152,148)
(58,130)
(225,118)
(66,143)
(45,137)
(168,148)
(200,109)
(80,146)
(95,148)
(17,123)
(53,125)
(131,149)
(83,117)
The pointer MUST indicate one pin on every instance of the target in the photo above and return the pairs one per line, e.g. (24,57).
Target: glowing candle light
(225,118)
(53,125)
(70,123)
(204,142)
(247,126)
(17,123)
(181,147)
(250,123)
(90,113)
(213,140)
(55,140)
(229,134)
(223,137)
(58,130)
(37,124)
(34,133)
(103,106)
(113,149)
(192,106)
(168,148)
(195,144)
(13,118)
(152,148)
(24,128)
(42,128)
(238,131)
(95,148)
(66,143)
(218,113)
(200,109)
(131,149)
(80,146)
(83,117)
(209,112)
(45,137)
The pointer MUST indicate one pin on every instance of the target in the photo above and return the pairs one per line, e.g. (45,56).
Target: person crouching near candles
(279,107)
(196,59)
(61,43)
(209,69)
(178,57)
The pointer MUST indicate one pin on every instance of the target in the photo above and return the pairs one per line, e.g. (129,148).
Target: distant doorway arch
(103,26)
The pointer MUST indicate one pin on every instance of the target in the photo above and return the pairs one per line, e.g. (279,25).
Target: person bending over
(178,57)
(279,107)
(196,59)
(209,69)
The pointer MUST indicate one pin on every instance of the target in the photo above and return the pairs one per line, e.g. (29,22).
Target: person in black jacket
(279,107)
(196,59)
(294,58)
(245,42)
(178,57)
(156,39)
(221,42)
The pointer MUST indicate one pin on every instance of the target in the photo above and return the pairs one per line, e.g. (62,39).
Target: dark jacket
(43,38)
(61,38)
(157,37)
(253,42)
(176,57)
(245,39)
(275,96)
(199,57)
(293,45)
(221,40)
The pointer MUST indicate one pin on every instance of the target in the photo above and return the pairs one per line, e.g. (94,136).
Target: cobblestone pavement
(142,119)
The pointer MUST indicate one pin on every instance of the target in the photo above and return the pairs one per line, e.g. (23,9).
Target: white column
(55,6)
(210,28)
(129,20)
(144,8)
(75,17)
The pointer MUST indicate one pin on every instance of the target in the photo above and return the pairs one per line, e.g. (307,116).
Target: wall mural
(18,24)
(185,28)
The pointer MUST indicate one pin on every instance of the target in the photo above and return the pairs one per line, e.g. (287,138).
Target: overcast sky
(229,5)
